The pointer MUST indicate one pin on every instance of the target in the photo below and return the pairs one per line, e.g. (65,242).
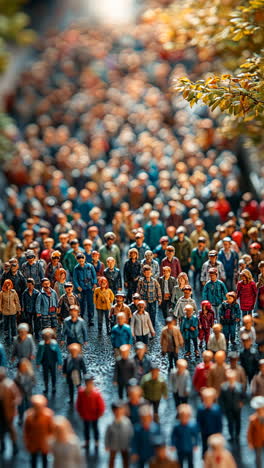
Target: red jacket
(200,375)
(247,294)
(90,406)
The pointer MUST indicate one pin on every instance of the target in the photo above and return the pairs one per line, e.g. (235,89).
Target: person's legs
(187,345)
(152,310)
(181,458)
(189,457)
(71,389)
(46,377)
(121,388)
(90,305)
(230,422)
(96,433)
(176,399)
(259,457)
(100,314)
(7,333)
(112,458)
(107,321)
(44,460)
(82,303)
(34,458)
(195,344)
(53,376)
(237,422)
(13,325)
(125,457)
(86,432)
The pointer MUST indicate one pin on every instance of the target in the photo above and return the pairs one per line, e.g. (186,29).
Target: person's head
(133,254)
(30,256)
(23,330)
(74,243)
(206,305)
(68,286)
(212,256)
(248,322)
(55,257)
(74,349)
(62,429)
(89,382)
(141,305)
(154,217)
(135,394)
(74,312)
(216,443)
(146,415)
(257,403)
(60,275)
(48,243)
(182,280)
(24,366)
(140,350)
(120,297)
(169,322)
(110,238)
(187,291)
(119,409)
(6,267)
(103,282)
(30,284)
(121,318)
(227,243)
(220,357)
(80,257)
(181,231)
(231,376)
(231,297)
(181,365)
(124,351)
(184,413)
(39,402)
(110,261)
(261,366)
(64,238)
(136,298)
(148,256)
(155,371)
(147,272)
(14,266)
(246,340)
(207,356)
(166,271)
(95,256)
(7,285)
(139,238)
(87,245)
(188,309)
(208,396)
(246,276)
(213,274)
(47,334)
(201,243)
(45,283)
(233,357)
(170,251)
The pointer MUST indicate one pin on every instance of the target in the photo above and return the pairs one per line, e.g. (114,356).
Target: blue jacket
(185,436)
(55,348)
(28,302)
(153,234)
(47,305)
(185,327)
(209,419)
(143,441)
(74,332)
(3,360)
(121,335)
(229,313)
(214,292)
(84,277)
(230,265)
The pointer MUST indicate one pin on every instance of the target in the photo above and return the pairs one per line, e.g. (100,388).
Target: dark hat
(212,253)
(140,345)
(74,241)
(88,378)
(80,255)
(30,254)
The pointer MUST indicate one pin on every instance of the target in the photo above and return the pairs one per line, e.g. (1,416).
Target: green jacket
(113,252)
(183,250)
(153,390)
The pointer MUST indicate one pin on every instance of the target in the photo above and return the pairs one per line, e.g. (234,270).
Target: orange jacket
(38,429)
(255,433)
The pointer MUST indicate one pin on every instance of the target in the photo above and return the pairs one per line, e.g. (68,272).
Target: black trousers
(179,400)
(173,358)
(34,459)
(91,425)
(165,307)
(9,327)
(234,422)
(121,388)
(49,370)
(182,456)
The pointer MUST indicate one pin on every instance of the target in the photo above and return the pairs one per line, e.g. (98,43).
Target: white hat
(257,402)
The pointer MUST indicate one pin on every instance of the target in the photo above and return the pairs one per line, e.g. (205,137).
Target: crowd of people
(123,213)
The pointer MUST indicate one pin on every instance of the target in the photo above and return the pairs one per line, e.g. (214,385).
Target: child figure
(180,382)
(74,368)
(217,341)
(103,299)
(246,292)
(182,302)
(9,307)
(217,455)
(255,434)
(25,381)
(49,356)
(209,416)
(113,275)
(229,316)
(189,330)
(184,435)
(206,321)
(24,346)
(119,434)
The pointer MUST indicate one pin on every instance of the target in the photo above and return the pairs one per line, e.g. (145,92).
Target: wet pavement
(100,362)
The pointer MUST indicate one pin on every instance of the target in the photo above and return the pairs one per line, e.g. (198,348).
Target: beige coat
(177,337)
(227,460)
(10,397)
(141,324)
(217,376)
(9,302)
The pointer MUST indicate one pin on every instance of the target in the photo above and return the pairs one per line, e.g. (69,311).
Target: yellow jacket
(103,298)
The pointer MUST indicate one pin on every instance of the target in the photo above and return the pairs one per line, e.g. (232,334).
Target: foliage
(230,36)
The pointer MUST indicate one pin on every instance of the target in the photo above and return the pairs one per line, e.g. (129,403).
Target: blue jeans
(152,310)
(86,300)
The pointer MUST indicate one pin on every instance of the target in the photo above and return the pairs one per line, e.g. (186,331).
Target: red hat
(255,245)
(207,304)
(237,237)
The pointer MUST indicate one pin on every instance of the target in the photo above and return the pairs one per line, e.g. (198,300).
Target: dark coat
(230,399)
(171,284)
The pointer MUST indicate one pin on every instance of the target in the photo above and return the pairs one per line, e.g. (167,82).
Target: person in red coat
(90,406)
(206,321)
(202,370)
(246,292)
